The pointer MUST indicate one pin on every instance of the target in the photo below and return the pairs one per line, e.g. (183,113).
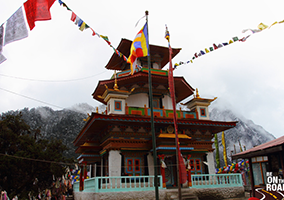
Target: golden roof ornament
(87,119)
(115,87)
(197,94)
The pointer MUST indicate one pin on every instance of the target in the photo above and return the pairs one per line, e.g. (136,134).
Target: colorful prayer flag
(106,39)
(77,20)
(60,2)
(244,38)
(80,22)
(235,39)
(231,41)
(224,150)
(73,17)
(202,52)
(206,50)
(2,58)
(94,33)
(196,56)
(217,151)
(83,26)
(16,28)
(167,35)
(225,43)
(64,5)
(215,47)
(220,45)
(1,37)
(273,24)
(139,47)
(262,26)
(211,49)
(37,10)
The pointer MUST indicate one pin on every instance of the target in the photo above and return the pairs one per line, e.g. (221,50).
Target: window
(133,166)
(197,164)
(137,165)
(192,164)
(202,112)
(129,165)
(157,102)
(117,105)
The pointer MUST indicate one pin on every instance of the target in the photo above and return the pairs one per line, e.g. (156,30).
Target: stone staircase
(185,195)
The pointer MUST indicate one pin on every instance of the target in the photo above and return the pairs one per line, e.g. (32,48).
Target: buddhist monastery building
(118,142)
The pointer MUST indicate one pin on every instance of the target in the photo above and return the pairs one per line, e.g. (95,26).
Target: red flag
(94,33)
(181,165)
(37,10)
(73,17)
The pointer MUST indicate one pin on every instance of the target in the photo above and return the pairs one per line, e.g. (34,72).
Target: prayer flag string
(83,25)
(214,47)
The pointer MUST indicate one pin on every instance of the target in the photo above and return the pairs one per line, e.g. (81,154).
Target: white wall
(112,104)
(137,100)
(210,161)
(150,160)
(114,160)
(167,102)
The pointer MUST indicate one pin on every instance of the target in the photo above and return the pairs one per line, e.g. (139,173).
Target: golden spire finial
(197,94)
(115,87)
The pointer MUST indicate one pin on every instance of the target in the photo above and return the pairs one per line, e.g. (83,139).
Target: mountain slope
(66,125)
(246,134)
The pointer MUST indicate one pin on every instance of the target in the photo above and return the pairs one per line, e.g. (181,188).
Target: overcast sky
(248,75)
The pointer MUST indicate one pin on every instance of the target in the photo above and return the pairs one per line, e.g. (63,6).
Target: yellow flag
(231,41)
(82,27)
(273,24)
(262,26)
(281,22)
(206,50)
(224,150)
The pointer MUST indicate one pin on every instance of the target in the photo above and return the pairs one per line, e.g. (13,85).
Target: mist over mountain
(67,123)
(244,136)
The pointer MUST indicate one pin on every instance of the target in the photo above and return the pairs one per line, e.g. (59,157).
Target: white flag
(2,58)
(1,37)
(16,28)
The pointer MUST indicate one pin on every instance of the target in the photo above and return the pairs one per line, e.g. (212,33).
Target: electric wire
(69,164)
(39,80)
(31,98)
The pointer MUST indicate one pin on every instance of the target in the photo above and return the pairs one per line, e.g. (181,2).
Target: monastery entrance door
(169,172)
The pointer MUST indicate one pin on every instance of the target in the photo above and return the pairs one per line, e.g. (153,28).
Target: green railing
(119,184)
(145,111)
(216,180)
(146,183)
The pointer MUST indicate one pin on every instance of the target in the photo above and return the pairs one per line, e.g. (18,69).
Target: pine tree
(27,164)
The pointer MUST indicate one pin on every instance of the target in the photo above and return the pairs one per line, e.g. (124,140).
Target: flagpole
(172,93)
(152,116)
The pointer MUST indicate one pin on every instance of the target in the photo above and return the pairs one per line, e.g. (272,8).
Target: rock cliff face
(67,123)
